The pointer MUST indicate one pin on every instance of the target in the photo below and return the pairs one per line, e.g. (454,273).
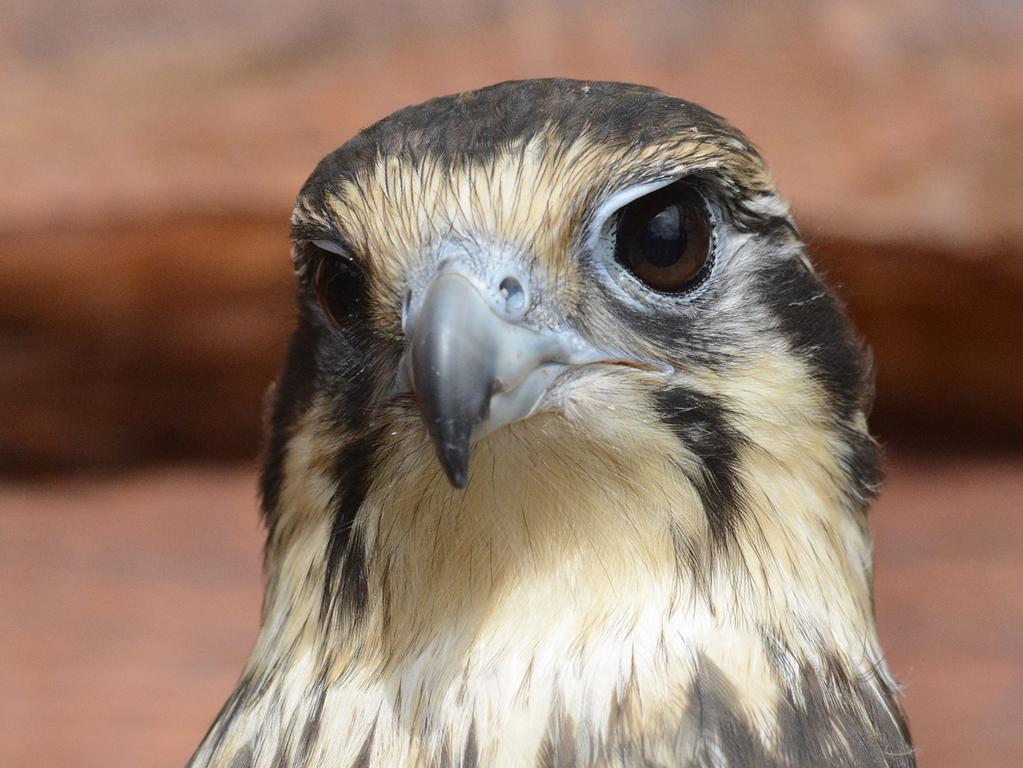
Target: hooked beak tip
(455,460)
(458,478)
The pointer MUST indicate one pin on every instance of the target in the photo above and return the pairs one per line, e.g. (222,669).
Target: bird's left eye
(338,285)
(664,239)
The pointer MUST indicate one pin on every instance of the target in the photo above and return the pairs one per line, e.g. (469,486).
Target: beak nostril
(513,293)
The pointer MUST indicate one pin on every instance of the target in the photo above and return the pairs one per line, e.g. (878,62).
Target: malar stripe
(701,423)
(345,586)
(307,370)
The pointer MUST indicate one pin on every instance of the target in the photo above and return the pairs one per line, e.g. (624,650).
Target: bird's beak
(475,363)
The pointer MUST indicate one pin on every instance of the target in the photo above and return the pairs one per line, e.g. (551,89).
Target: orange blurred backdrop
(150,154)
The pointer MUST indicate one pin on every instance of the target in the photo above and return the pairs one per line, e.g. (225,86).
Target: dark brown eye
(339,286)
(664,239)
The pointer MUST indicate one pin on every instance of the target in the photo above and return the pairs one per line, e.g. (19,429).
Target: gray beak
(473,362)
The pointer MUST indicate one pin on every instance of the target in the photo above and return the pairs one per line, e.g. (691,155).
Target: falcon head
(599,261)
(568,457)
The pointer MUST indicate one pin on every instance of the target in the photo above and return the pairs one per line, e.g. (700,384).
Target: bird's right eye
(664,240)
(339,288)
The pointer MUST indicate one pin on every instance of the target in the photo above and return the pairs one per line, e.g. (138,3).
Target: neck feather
(580,599)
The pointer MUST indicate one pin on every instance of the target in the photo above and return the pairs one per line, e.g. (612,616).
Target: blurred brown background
(149,155)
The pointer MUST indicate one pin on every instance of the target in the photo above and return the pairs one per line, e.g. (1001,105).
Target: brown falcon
(568,463)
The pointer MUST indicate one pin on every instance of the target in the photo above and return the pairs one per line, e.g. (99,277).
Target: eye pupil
(663,239)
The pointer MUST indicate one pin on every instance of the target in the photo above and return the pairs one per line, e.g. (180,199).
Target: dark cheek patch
(336,363)
(702,425)
(812,321)
(291,397)
(324,359)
